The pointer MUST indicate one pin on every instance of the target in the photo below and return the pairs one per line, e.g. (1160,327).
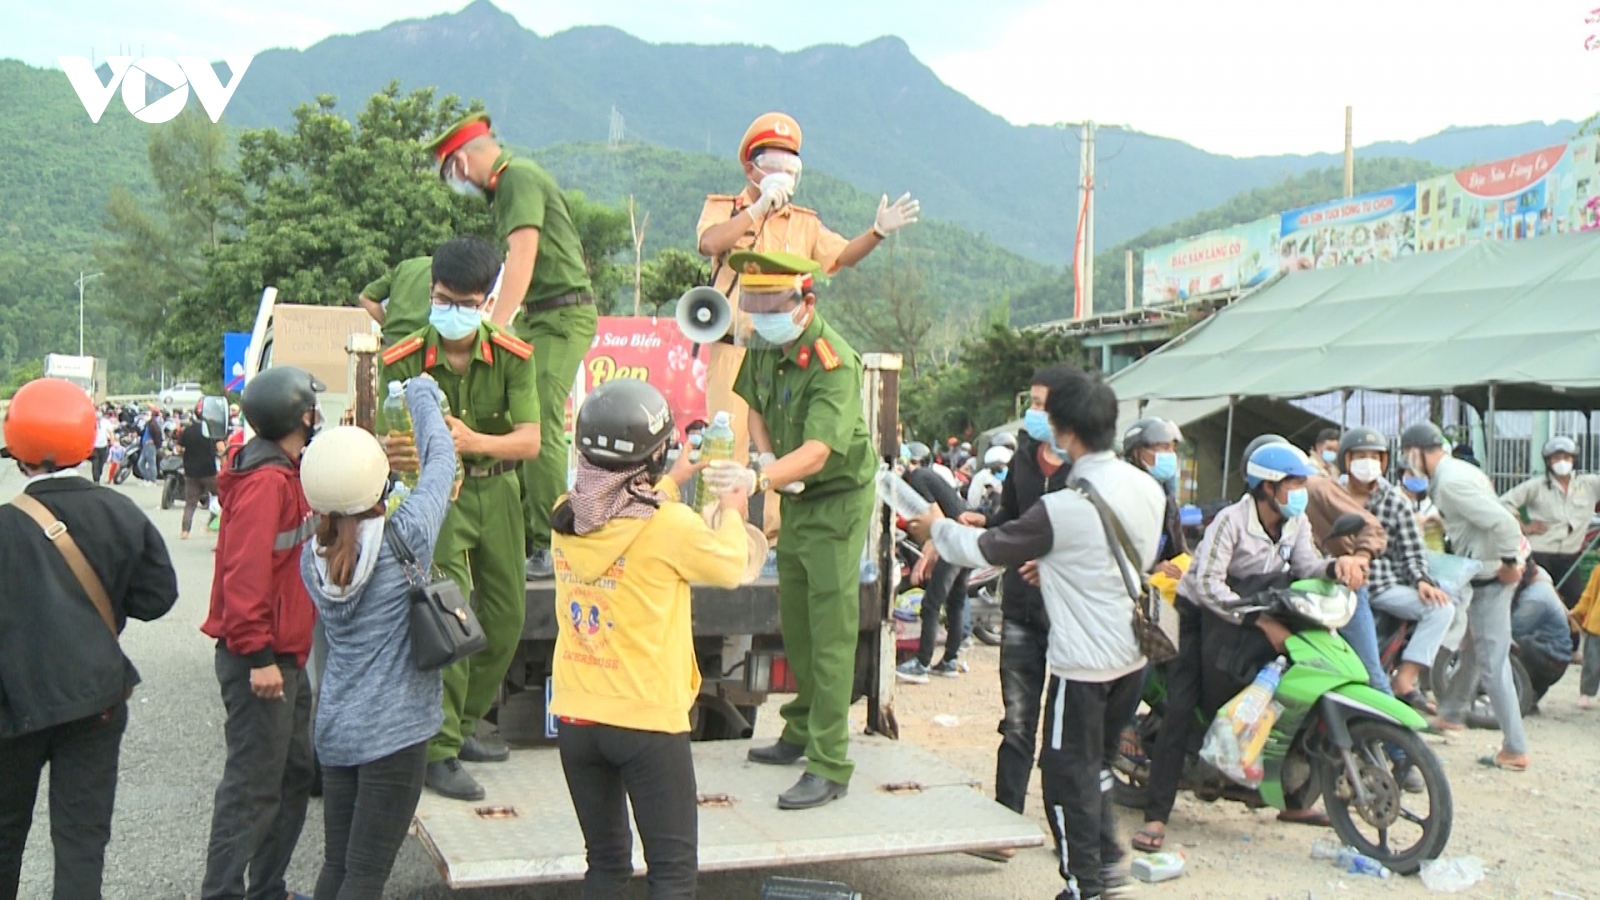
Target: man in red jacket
(261,617)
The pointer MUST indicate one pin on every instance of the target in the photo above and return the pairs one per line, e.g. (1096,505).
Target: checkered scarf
(600,495)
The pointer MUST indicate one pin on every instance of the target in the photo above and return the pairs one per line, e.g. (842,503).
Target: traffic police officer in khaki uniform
(546,281)
(487,375)
(803,384)
(762,218)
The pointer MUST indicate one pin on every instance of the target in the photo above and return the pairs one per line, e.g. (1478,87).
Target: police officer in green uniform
(803,384)
(487,375)
(546,280)
(398,300)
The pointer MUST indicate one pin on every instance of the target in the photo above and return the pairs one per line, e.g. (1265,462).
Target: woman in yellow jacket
(625,675)
(1585,617)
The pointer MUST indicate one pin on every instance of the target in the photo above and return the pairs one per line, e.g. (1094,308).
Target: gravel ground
(1536,831)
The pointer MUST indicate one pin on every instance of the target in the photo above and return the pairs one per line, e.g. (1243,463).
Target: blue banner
(1381,225)
(235,344)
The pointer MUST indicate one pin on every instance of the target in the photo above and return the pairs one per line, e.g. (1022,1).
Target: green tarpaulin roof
(1524,316)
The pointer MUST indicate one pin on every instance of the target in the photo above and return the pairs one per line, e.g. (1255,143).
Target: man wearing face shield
(761,218)
(803,384)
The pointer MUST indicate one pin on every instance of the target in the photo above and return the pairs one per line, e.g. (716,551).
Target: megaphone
(704,315)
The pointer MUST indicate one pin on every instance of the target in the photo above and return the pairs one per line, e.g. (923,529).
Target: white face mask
(1366,471)
(457,180)
(1562,468)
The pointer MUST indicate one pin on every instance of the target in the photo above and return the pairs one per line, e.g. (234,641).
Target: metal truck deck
(903,801)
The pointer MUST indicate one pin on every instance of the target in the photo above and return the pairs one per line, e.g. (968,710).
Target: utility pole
(617,131)
(1083,305)
(81,279)
(1128,277)
(1349,153)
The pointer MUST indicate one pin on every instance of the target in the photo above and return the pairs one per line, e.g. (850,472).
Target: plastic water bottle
(461,469)
(1253,701)
(716,442)
(1155,867)
(901,497)
(1326,848)
(398,418)
(1359,864)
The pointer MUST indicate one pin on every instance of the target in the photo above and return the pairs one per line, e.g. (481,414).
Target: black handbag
(444,629)
(1153,642)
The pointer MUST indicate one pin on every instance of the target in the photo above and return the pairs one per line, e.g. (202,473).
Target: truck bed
(525,832)
(751,609)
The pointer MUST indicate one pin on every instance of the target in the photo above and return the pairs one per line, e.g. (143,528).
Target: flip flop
(1419,702)
(1131,748)
(1494,762)
(1445,726)
(1146,841)
(1317,820)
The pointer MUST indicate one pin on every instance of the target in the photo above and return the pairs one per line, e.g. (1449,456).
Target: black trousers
(97,462)
(946,589)
(83,786)
(366,814)
(1024,646)
(609,767)
(1082,722)
(266,782)
(1178,717)
(1558,564)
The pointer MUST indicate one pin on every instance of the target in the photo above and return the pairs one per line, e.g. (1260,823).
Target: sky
(1241,77)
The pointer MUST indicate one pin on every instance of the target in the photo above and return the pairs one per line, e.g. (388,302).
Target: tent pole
(1344,409)
(1227,449)
(1488,437)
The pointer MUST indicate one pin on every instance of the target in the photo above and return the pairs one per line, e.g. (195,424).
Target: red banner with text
(652,350)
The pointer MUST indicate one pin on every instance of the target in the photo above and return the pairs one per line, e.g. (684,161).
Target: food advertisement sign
(1531,195)
(1215,262)
(1378,226)
(650,350)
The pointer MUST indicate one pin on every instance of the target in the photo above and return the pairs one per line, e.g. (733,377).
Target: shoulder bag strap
(55,531)
(1114,538)
(402,553)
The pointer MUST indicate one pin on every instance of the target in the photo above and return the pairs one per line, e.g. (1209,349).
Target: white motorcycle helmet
(344,471)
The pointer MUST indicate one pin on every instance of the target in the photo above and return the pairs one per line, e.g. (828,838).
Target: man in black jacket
(945,587)
(64,681)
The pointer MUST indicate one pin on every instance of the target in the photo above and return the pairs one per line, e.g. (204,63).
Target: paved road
(172,759)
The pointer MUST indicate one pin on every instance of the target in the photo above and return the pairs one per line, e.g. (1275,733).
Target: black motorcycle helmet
(623,423)
(1149,430)
(1361,438)
(275,402)
(1423,435)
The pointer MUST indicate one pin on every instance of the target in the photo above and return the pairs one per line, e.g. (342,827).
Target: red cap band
(458,140)
(770,138)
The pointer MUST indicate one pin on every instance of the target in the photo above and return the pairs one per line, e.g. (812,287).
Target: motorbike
(983,593)
(171,475)
(130,459)
(1336,737)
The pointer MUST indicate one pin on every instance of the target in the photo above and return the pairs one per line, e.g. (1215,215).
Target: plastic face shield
(772,311)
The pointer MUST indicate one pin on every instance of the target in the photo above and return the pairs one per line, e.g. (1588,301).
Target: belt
(499,468)
(574,298)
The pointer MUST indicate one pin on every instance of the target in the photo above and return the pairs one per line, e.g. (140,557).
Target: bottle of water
(1326,848)
(716,442)
(1358,864)
(1254,699)
(461,469)
(398,419)
(901,497)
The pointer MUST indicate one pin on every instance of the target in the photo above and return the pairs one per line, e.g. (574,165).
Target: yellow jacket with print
(625,649)
(1587,612)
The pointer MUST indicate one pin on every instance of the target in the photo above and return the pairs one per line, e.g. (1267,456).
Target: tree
(979,390)
(605,234)
(882,306)
(664,279)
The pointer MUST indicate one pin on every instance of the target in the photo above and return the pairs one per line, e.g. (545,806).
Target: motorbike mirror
(214,417)
(1346,525)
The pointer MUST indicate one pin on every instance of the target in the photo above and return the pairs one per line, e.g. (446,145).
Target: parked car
(183,395)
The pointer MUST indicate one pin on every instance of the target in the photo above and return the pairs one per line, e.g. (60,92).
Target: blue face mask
(1416,484)
(777,329)
(454,322)
(1295,504)
(1165,468)
(1330,456)
(1037,425)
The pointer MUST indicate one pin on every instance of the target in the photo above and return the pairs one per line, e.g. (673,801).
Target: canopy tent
(1523,317)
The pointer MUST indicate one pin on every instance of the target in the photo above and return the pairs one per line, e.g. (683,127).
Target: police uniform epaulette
(403,349)
(825,352)
(513,344)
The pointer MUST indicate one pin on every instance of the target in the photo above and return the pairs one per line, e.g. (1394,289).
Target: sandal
(1147,841)
(1441,724)
(1316,818)
(1505,763)
(1131,747)
(1419,702)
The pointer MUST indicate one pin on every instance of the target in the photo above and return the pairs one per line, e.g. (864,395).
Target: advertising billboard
(652,350)
(1377,226)
(1215,262)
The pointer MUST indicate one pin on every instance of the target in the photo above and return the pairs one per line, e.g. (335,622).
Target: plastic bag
(1452,572)
(1234,747)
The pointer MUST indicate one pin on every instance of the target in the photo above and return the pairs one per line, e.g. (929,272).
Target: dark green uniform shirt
(497,393)
(802,399)
(527,197)
(408,287)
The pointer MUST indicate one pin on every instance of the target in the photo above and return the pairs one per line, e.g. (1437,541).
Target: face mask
(1561,469)
(1366,471)
(777,329)
(1295,503)
(1330,456)
(1165,468)
(1001,474)
(1060,451)
(458,182)
(1416,484)
(454,322)
(1037,425)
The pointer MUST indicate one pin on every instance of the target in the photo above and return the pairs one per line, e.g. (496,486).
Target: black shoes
(540,566)
(448,779)
(810,792)
(778,753)
(479,749)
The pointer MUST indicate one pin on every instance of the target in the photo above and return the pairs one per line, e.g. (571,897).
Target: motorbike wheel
(123,473)
(169,492)
(1389,827)
(1481,713)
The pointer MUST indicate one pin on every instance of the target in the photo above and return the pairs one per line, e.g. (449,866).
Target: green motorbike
(1336,737)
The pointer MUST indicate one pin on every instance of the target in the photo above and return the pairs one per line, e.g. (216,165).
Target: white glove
(776,189)
(764,460)
(724,475)
(793,487)
(894,216)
